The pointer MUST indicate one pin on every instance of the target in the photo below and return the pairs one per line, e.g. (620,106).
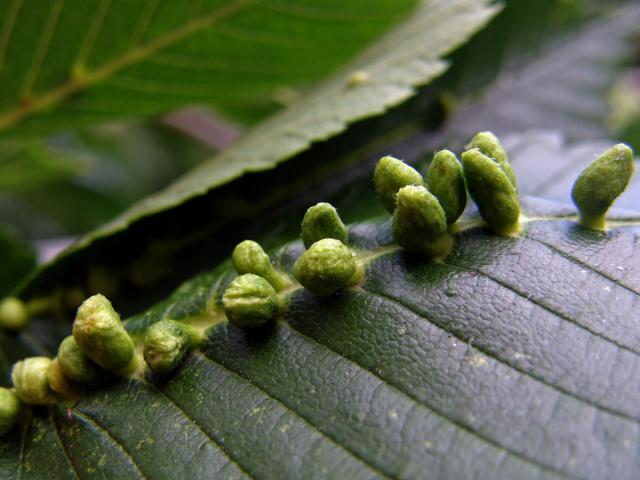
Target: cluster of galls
(99,349)
(423,213)
(328,265)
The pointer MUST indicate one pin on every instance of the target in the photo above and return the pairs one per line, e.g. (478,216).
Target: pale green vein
(94,28)
(541,304)
(144,21)
(84,79)
(288,408)
(98,429)
(7,29)
(59,441)
(577,261)
(493,355)
(196,425)
(431,409)
(42,49)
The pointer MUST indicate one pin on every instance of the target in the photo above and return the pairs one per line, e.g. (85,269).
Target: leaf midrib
(80,81)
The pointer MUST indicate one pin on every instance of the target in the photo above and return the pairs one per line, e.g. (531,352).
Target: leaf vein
(62,447)
(7,30)
(76,84)
(199,427)
(417,401)
(42,48)
(297,414)
(530,298)
(94,28)
(105,433)
(491,354)
(584,264)
(144,21)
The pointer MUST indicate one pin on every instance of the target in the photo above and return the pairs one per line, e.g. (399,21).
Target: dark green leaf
(505,360)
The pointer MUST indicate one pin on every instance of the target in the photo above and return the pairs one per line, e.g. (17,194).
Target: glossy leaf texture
(68,63)
(506,360)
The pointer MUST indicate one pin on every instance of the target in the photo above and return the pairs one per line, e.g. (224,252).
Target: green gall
(446,181)
(250,301)
(419,223)
(59,383)
(322,221)
(13,314)
(165,345)
(76,365)
(490,146)
(101,335)
(493,192)
(326,267)
(30,380)
(249,257)
(9,409)
(601,183)
(390,176)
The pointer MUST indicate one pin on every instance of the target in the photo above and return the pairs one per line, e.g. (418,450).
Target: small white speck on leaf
(357,78)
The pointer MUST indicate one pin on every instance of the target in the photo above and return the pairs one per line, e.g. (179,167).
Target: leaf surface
(505,360)
(67,63)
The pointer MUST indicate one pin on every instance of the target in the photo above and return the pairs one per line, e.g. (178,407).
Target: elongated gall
(326,267)
(322,221)
(29,378)
(446,181)
(9,409)
(101,336)
(76,365)
(13,314)
(165,345)
(601,183)
(250,301)
(493,192)
(249,257)
(490,146)
(390,176)
(419,223)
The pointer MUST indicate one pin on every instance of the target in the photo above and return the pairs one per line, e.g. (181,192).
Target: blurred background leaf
(65,64)
(16,257)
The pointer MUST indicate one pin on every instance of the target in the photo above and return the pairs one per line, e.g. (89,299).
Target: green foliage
(503,357)
(69,63)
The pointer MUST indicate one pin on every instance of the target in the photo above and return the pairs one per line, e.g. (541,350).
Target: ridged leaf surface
(512,358)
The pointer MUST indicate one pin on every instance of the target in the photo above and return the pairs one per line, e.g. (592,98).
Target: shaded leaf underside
(505,361)
(408,57)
